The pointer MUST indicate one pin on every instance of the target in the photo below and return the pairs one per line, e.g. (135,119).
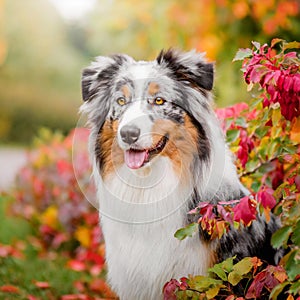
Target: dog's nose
(130,134)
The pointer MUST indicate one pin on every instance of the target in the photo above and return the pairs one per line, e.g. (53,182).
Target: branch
(247,173)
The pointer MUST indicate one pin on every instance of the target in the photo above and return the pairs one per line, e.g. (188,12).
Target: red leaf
(268,278)
(76,265)
(256,73)
(42,284)
(297,182)
(245,211)
(100,286)
(266,198)
(79,285)
(256,286)
(170,288)
(95,257)
(9,289)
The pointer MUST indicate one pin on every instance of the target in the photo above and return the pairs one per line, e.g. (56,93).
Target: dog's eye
(121,101)
(159,101)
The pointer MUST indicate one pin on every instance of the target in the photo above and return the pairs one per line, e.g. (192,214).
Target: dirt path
(11,160)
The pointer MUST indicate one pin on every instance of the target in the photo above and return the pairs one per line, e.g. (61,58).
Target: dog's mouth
(136,158)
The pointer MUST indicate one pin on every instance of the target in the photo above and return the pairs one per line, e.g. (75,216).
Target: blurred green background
(44,44)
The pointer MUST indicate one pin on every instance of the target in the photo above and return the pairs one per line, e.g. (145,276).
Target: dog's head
(143,110)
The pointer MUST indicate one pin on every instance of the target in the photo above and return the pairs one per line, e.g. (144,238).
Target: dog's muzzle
(135,157)
(130,134)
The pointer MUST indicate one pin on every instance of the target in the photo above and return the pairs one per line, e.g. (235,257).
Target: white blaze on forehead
(134,115)
(141,70)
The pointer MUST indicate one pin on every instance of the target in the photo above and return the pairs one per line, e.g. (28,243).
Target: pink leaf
(42,284)
(266,198)
(76,265)
(245,211)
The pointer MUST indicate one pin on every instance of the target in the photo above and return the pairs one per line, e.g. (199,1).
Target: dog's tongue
(135,159)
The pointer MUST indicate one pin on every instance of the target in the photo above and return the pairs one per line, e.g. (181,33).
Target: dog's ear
(100,74)
(189,67)
(97,82)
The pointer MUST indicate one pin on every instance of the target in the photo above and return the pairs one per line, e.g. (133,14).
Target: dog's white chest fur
(139,225)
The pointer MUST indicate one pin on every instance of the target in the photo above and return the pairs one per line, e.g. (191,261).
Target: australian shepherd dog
(157,151)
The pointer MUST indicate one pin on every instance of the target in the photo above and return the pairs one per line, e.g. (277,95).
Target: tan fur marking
(113,156)
(126,91)
(181,146)
(153,88)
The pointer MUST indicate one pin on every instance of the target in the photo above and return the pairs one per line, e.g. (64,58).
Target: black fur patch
(203,142)
(86,83)
(200,77)
(249,243)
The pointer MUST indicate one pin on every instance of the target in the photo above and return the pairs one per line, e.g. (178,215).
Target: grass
(24,272)
(12,228)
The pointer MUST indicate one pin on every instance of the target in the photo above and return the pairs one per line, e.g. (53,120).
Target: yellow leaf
(295,132)
(213,292)
(49,217)
(82,234)
(276,116)
(221,228)
(267,212)
(265,141)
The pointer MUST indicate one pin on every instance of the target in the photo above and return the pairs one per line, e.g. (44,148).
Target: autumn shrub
(48,195)
(265,137)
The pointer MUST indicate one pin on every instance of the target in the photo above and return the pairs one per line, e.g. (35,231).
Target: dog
(158,150)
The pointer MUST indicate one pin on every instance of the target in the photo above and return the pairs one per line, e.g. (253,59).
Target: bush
(48,195)
(265,136)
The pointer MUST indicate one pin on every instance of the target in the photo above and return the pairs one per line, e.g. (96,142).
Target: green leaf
(277,290)
(232,135)
(295,288)
(189,230)
(227,264)
(240,269)
(289,149)
(292,265)
(240,121)
(244,266)
(242,54)
(219,271)
(296,234)
(251,165)
(281,236)
(262,131)
(202,283)
(234,278)
(255,186)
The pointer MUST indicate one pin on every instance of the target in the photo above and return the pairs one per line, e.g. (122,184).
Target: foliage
(41,61)
(266,142)
(216,27)
(63,226)
(39,71)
